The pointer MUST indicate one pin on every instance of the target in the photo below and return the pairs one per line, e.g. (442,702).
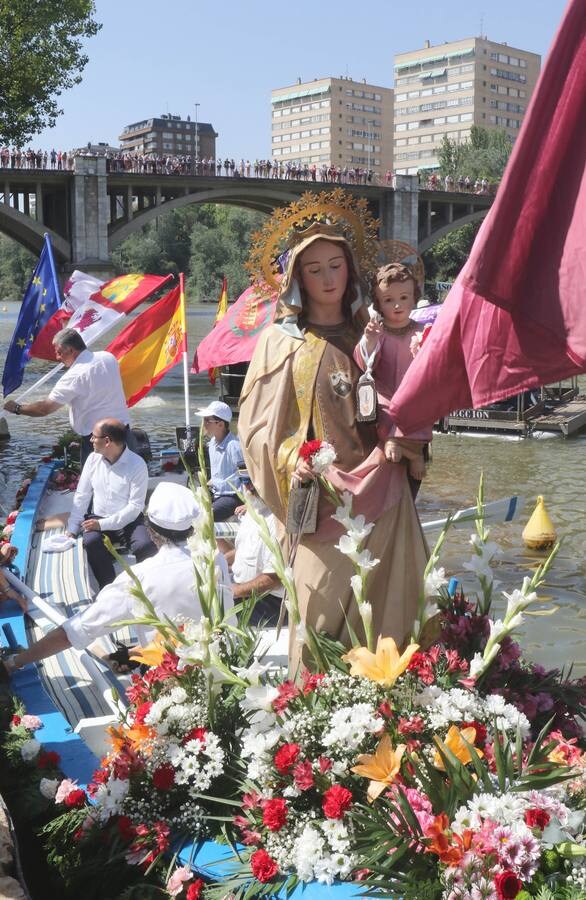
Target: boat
(76,694)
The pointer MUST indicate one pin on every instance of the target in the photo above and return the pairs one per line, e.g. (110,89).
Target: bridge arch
(31,234)
(264,200)
(428,242)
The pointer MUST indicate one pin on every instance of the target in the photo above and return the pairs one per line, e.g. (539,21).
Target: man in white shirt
(251,561)
(167,580)
(115,481)
(91,387)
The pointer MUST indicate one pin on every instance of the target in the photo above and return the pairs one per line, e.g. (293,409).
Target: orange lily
(152,654)
(385,665)
(382,767)
(451,854)
(456,742)
(136,736)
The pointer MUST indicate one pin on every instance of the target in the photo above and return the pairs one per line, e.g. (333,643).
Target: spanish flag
(220,313)
(125,292)
(151,345)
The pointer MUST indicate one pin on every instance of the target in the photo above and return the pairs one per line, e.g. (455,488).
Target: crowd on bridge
(463,184)
(167,164)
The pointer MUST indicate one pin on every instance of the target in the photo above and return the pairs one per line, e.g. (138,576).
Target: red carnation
(48,759)
(126,829)
(263,866)
(480,739)
(336,801)
(286,757)
(310,682)
(274,814)
(507,885)
(303,775)
(15,720)
(307,449)
(287,692)
(194,890)
(164,777)
(196,734)
(142,712)
(536,818)
(75,799)
(324,763)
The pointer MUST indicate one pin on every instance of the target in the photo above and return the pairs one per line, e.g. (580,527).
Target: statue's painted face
(324,275)
(395,301)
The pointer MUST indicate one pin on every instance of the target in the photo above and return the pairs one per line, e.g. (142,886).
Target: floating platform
(555,409)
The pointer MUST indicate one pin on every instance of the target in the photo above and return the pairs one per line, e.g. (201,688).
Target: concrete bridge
(88,212)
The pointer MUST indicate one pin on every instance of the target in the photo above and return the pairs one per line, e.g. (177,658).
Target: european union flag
(42,298)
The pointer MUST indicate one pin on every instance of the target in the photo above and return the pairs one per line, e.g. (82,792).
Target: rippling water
(553,467)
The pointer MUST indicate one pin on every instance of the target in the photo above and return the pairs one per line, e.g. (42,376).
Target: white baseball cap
(216,408)
(172,506)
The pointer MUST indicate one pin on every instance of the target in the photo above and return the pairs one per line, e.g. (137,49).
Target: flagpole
(185,361)
(46,377)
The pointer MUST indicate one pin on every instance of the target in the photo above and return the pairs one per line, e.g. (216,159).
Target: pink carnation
(64,789)
(178,879)
(31,723)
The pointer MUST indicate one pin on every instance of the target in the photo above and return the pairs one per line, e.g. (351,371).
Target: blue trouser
(223,506)
(101,560)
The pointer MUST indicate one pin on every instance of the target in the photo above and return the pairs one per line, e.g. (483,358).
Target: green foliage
(206,242)
(16,268)
(42,55)
(484,155)
(444,260)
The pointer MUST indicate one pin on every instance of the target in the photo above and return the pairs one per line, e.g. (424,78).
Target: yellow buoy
(539,532)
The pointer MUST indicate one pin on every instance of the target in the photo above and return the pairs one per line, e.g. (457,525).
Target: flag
(234,338)
(125,292)
(516,316)
(42,298)
(150,345)
(76,292)
(220,313)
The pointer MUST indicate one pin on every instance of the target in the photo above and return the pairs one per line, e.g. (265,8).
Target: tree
(444,260)
(41,56)
(484,155)
(16,268)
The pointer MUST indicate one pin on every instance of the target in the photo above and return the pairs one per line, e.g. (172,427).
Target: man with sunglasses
(114,481)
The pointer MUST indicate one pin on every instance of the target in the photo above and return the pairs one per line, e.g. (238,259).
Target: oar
(504,510)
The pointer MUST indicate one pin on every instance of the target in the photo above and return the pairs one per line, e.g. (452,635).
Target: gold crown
(336,212)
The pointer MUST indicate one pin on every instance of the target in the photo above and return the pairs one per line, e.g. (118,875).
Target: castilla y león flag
(125,292)
(150,345)
(234,337)
(516,316)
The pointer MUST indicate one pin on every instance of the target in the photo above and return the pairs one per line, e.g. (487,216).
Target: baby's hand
(372,333)
(417,468)
(393,452)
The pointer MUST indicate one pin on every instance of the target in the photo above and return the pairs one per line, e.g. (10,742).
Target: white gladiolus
(434,580)
(365,610)
(356,585)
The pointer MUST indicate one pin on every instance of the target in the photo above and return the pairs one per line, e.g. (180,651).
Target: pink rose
(31,723)
(64,789)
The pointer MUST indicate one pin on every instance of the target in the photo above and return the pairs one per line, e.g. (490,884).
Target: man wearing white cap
(225,458)
(167,579)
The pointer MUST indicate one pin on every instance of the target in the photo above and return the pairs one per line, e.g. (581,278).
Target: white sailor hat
(172,506)
(217,409)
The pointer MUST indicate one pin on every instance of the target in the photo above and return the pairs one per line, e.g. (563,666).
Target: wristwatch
(17,409)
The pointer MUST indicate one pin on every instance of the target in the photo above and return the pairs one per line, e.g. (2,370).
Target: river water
(553,467)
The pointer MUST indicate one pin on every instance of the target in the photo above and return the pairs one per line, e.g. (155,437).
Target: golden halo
(348,213)
(392,251)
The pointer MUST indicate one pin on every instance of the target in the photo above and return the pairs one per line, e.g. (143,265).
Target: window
(401,127)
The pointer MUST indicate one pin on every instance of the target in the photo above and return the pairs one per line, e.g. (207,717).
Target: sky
(154,57)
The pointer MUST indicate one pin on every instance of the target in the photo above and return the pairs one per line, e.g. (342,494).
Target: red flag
(76,292)
(516,316)
(150,345)
(125,292)
(220,313)
(234,338)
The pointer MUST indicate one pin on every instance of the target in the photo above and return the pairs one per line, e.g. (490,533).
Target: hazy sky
(154,57)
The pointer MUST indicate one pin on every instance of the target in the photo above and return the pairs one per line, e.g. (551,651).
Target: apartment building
(169,134)
(337,121)
(445,89)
